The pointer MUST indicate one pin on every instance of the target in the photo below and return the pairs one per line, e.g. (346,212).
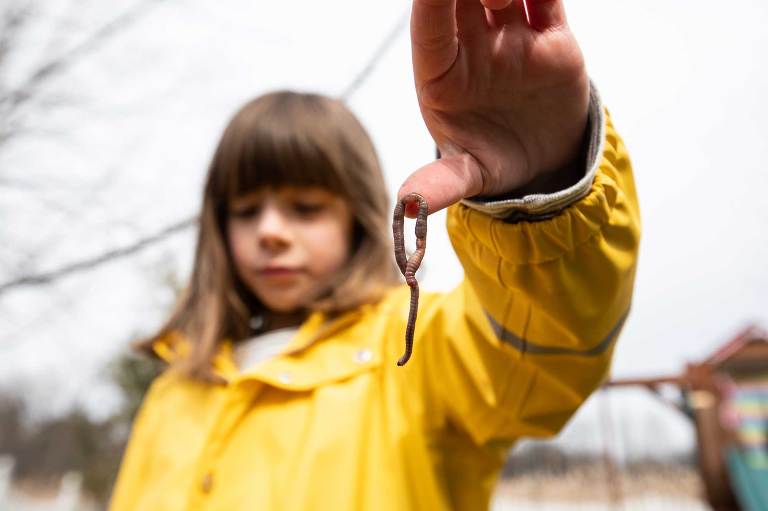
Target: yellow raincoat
(333,424)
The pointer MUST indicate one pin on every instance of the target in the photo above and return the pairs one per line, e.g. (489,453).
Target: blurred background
(109,113)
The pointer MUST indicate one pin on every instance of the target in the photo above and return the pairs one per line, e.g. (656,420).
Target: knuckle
(432,95)
(434,43)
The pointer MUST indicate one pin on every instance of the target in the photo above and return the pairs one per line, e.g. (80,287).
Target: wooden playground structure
(726,397)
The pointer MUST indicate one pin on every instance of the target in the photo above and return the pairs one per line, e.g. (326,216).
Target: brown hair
(282,139)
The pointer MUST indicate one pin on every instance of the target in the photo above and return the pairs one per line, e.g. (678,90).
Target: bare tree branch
(93,262)
(11,101)
(86,264)
(377,55)
(12,21)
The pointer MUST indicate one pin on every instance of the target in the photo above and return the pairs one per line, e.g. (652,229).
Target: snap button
(206,483)
(284,378)
(363,356)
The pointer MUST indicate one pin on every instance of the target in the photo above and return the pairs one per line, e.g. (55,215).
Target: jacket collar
(306,362)
(310,360)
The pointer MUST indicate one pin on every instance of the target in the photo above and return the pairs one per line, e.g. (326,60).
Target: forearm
(555,292)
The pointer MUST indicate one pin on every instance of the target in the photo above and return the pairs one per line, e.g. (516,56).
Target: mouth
(279,272)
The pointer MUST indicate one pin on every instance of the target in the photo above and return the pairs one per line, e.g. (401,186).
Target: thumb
(545,14)
(443,182)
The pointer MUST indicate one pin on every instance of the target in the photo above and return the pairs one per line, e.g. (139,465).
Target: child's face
(287,243)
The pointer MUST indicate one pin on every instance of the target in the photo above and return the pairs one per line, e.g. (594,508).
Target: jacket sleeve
(519,345)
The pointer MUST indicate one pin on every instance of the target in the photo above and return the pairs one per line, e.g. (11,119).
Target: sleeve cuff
(537,207)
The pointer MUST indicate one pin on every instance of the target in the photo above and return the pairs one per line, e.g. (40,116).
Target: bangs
(283,139)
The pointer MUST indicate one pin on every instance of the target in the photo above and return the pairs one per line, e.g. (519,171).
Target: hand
(504,92)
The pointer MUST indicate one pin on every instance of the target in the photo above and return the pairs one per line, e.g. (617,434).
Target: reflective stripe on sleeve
(525,346)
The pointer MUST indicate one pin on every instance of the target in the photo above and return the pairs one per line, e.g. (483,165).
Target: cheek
(238,246)
(331,247)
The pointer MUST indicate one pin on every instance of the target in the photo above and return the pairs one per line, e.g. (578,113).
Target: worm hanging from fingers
(407,266)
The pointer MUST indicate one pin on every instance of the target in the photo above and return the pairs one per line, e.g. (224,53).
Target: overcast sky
(126,152)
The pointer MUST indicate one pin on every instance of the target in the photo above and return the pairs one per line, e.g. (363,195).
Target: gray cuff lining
(542,206)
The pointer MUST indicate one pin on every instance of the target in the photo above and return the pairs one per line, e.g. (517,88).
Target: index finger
(434,43)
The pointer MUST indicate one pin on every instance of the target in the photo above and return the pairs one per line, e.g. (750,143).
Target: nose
(273,230)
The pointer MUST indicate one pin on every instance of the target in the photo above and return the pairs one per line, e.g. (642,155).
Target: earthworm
(408,266)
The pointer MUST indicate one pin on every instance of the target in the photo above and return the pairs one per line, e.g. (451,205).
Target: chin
(278,305)
(283,309)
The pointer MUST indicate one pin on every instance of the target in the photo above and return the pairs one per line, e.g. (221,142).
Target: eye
(244,212)
(307,208)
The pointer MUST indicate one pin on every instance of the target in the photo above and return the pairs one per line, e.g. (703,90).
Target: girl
(283,391)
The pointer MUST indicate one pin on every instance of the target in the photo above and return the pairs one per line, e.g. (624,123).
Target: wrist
(527,203)
(563,177)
